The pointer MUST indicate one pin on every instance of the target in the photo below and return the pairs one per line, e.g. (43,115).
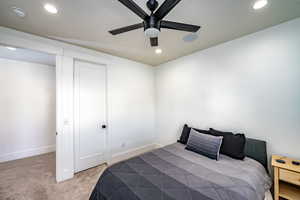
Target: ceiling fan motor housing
(151,26)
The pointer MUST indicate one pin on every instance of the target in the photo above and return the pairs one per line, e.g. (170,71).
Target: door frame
(65,54)
(16,39)
(107,135)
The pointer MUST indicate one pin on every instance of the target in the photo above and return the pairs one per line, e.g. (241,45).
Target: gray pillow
(204,144)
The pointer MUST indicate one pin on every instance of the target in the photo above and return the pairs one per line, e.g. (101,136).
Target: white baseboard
(26,153)
(165,143)
(131,153)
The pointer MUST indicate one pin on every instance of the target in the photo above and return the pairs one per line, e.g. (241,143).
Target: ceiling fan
(153,23)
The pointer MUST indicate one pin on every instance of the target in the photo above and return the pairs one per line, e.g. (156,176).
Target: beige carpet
(34,179)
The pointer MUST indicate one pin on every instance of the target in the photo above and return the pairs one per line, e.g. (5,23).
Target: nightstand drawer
(289,176)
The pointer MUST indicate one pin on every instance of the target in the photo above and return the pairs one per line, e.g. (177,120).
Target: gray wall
(249,85)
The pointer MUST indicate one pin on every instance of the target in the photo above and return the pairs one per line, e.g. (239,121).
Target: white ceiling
(86,23)
(27,56)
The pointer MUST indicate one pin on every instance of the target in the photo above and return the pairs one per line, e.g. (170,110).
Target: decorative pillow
(186,133)
(233,145)
(204,144)
(201,131)
(220,133)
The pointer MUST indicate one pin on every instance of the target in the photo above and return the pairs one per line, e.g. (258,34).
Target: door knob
(103,126)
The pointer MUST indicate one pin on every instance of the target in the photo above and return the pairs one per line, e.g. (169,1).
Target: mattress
(173,173)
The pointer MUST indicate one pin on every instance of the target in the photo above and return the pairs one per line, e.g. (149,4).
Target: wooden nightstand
(286,179)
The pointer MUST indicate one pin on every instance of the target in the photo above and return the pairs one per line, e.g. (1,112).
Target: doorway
(28,104)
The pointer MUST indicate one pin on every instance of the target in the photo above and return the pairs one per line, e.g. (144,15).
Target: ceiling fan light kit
(152,32)
(153,23)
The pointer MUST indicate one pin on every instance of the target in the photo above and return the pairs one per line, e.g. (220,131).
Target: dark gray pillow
(233,145)
(204,144)
(186,133)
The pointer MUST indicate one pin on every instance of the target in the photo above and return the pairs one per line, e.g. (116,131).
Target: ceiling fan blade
(179,26)
(154,42)
(165,8)
(135,8)
(126,29)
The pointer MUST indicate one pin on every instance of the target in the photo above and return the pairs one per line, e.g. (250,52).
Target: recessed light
(158,51)
(11,48)
(19,12)
(260,4)
(50,8)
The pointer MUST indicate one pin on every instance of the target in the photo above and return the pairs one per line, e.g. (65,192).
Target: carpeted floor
(34,179)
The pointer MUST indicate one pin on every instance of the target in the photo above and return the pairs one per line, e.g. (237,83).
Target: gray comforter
(173,173)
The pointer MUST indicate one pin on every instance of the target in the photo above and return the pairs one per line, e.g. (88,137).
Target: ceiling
(86,23)
(27,56)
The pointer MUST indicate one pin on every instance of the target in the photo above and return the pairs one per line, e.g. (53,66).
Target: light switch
(66,122)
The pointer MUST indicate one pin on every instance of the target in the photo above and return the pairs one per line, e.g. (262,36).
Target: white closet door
(90,115)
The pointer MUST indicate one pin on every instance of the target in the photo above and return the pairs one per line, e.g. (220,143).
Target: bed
(173,173)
